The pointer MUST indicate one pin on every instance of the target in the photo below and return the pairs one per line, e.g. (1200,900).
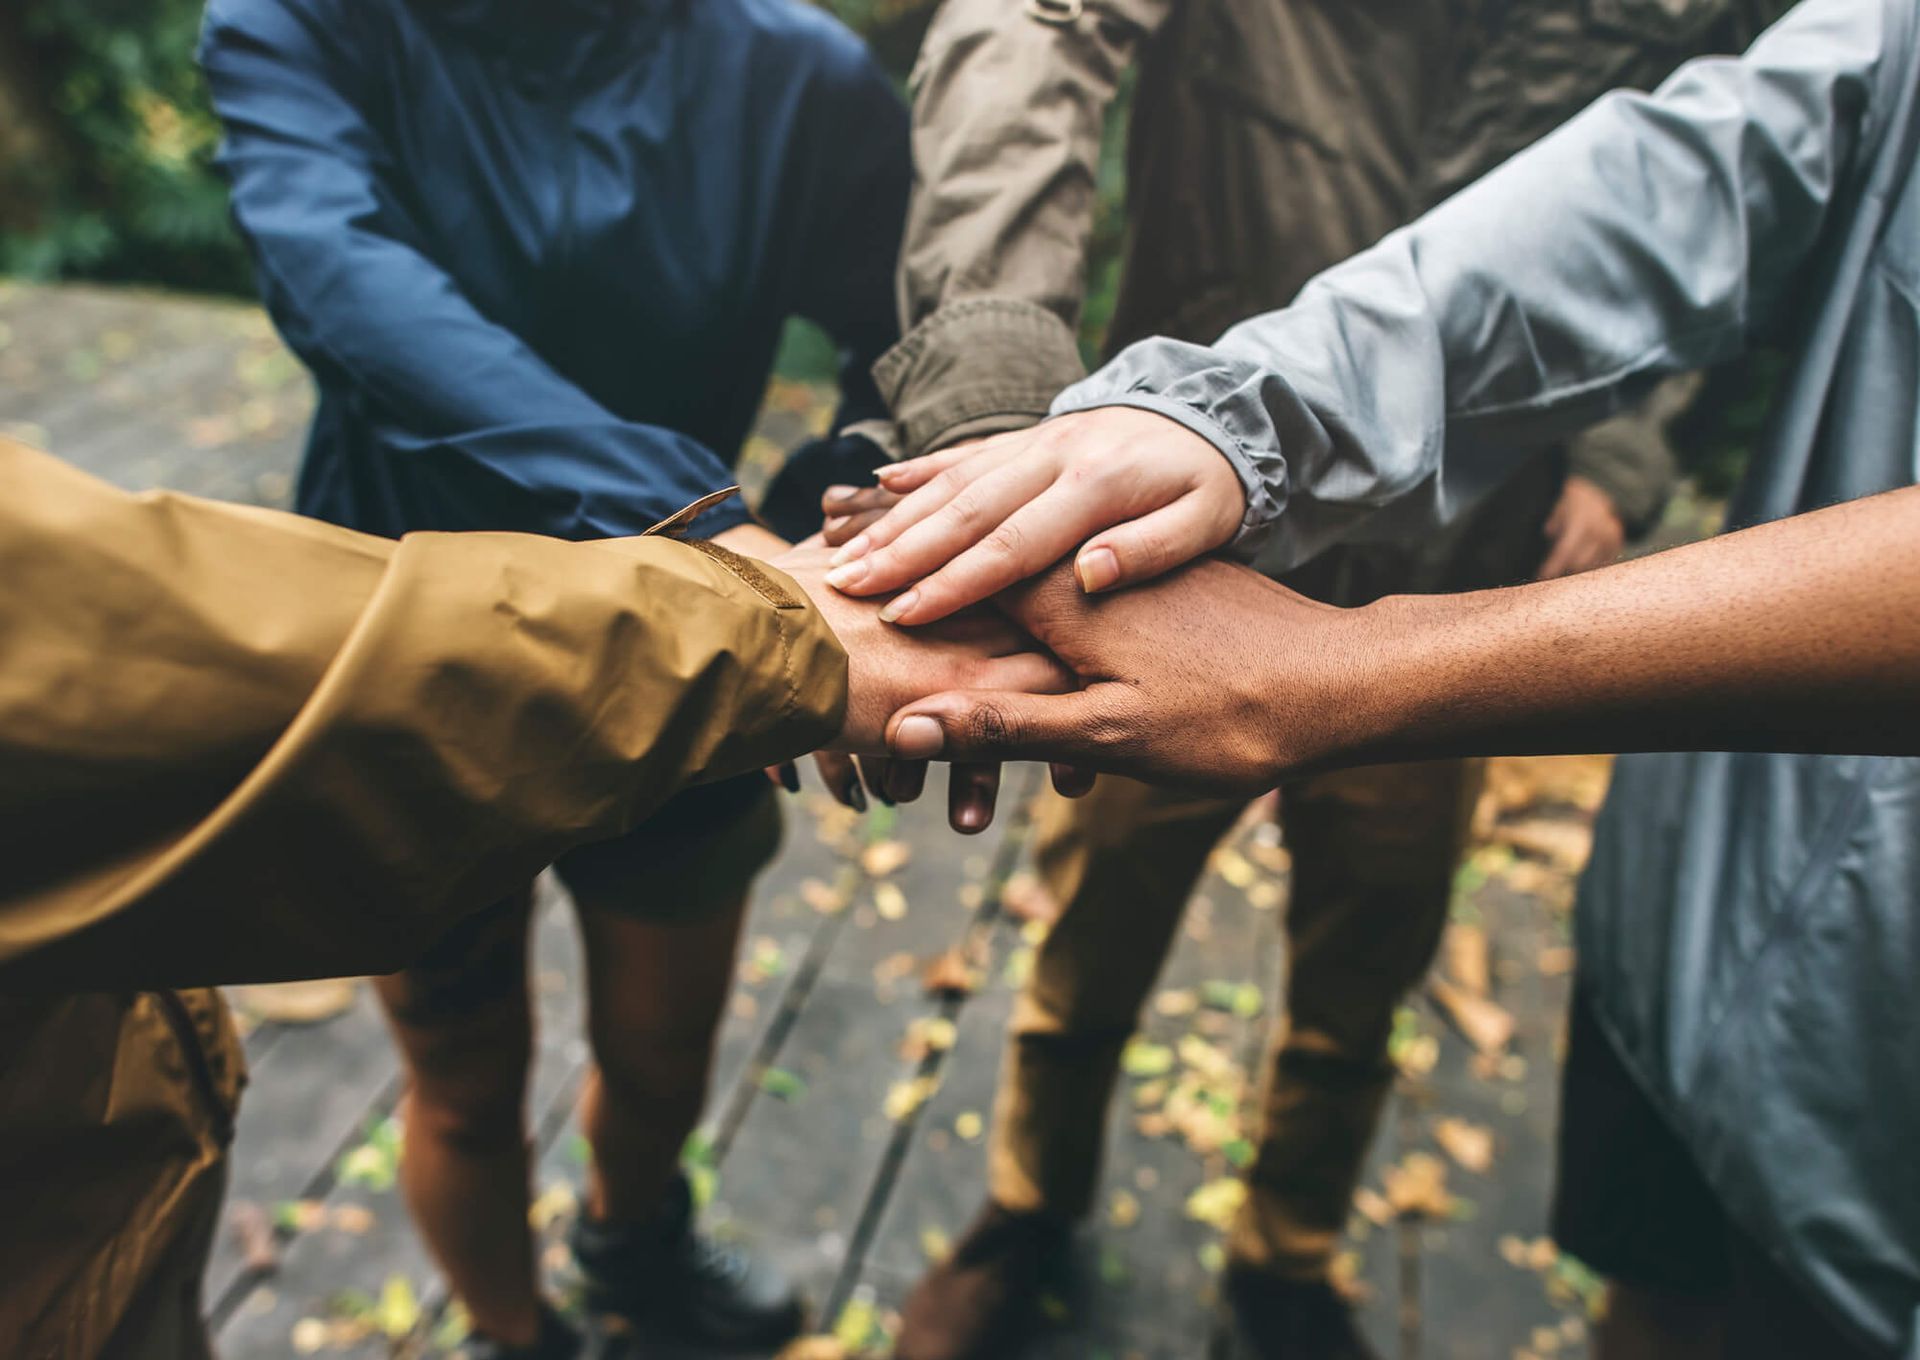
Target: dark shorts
(1632,1205)
(696,856)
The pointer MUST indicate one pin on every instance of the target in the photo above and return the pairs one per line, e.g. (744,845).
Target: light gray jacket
(1750,925)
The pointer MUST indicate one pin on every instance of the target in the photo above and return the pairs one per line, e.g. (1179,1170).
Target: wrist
(1392,681)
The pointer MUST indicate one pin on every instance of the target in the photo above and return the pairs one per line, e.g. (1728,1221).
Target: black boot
(1270,1318)
(663,1278)
(557,1341)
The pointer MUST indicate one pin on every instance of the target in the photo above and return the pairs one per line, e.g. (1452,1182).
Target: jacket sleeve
(859,142)
(241,745)
(1652,234)
(490,430)
(1010,100)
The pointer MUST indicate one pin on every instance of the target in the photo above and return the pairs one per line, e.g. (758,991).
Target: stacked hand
(1130,494)
(888,669)
(1213,678)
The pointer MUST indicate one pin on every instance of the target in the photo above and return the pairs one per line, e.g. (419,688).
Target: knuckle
(1008,539)
(989,727)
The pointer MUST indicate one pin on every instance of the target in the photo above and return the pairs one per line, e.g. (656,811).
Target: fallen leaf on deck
(927,1034)
(885,857)
(1372,1206)
(1175,1001)
(1025,898)
(904,1097)
(1204,1057)
(814,1348)
(556,1202)
(782,1084)
(1263,896)
(1123,1209)
(765,959)
(895,967)
(254,1229)
(1417,1187)
(890,902)
(948,974)
(297,1003)
(1343,1273)
(1486,1024)
(823,897)
(309,1336)
(1233,866)
(398,1311)
(935,1245)
(969,1125)
(1217,1201)
(1142,1059)
(1464,947)
(356,1219)
(1471,1145)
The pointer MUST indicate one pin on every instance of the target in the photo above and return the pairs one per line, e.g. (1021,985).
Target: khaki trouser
(1374,852)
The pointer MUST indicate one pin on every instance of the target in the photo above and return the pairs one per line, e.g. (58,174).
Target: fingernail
(899,605)
(971,817)
(1097,569)
(842,577)
(887,473)
(852,548)
(918,738)
(836,494)
(789,779)
(856,797)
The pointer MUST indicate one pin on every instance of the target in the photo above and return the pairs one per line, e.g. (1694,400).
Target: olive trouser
(1373,854)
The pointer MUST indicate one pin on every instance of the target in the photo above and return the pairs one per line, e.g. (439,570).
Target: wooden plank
(805,1173)
(1475,1304)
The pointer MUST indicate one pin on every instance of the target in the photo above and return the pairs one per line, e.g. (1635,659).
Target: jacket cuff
(976,367)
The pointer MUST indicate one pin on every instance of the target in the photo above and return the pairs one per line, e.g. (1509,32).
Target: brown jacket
(1269,140)
(242,745)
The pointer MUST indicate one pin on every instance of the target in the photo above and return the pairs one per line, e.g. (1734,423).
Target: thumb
(985,725)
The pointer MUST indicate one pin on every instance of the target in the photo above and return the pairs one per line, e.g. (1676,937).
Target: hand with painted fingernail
(1128,493)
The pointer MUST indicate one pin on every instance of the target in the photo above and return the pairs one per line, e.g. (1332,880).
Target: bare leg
(465,1030)
(655,997)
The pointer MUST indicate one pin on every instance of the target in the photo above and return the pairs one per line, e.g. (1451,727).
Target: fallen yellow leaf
(1471,1145)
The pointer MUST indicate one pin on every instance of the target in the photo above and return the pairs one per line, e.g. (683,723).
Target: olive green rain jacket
(241,745)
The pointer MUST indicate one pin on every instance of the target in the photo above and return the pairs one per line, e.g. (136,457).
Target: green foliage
(131,192)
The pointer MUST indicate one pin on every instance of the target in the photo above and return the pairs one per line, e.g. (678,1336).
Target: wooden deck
(844,1130)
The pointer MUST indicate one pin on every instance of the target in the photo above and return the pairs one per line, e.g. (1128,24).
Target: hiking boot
(984,1301)
(556,1341)
(1271,1318)
(666,1279)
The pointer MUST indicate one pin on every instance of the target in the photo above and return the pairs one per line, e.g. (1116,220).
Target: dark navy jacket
(538,253)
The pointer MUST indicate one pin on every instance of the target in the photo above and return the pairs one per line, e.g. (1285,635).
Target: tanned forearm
(1801,635)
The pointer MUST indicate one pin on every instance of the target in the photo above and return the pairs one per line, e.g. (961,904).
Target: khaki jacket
(242,745)
(1270,139)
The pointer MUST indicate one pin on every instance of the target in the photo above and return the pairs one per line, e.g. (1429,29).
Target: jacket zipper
(188,1036)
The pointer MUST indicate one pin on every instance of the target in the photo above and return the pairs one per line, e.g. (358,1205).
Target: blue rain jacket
(539,255)
(1749,929)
